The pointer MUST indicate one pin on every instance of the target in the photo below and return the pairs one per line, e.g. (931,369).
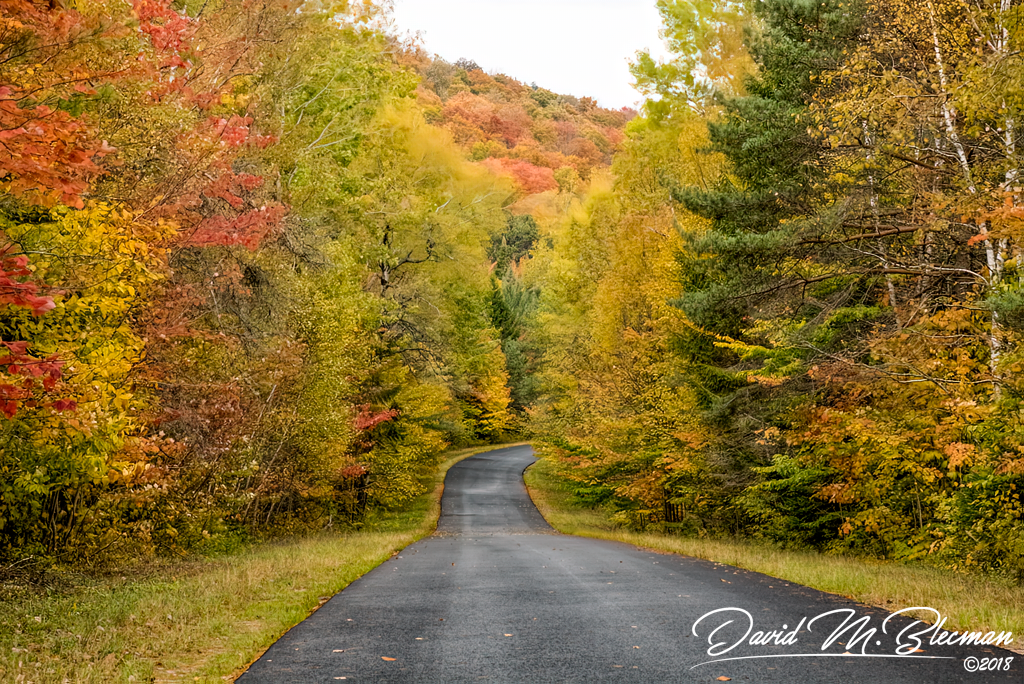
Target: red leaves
(167,30)
(510,131)
(15,290)
(228,184)
(367,419)
(8,407)
(40,374)
(247,230)
(20,362)
(64,405)
(233,132)
(353,472)
(50,24)
(46,156)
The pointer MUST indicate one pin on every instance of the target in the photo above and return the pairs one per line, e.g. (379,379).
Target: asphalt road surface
(496,595)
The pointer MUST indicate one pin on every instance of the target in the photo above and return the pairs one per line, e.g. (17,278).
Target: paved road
(496,595)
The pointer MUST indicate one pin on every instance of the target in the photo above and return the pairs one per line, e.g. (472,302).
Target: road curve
(496,595)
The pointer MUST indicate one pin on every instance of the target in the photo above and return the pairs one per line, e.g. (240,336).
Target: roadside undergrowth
(198,620)
(975,603)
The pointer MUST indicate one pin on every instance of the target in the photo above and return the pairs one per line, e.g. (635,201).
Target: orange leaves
(46,156)
(532,179)
(960,454)
(1005,219)
(839,493)
(473,118)
(390,660)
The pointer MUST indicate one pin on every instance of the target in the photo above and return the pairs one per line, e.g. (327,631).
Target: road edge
(428,527)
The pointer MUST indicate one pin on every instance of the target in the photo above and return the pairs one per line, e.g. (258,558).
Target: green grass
(202,620)
(970,602)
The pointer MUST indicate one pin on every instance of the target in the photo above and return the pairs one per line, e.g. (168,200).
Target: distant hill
(544,140)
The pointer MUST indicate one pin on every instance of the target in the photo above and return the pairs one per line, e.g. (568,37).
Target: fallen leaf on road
(390,660)
(636,647)
(725,679)
(338,650)
(508,635)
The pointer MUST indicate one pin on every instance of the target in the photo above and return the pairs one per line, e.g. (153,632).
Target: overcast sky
(573,47)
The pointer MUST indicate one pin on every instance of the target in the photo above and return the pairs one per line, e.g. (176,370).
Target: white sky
(573,47)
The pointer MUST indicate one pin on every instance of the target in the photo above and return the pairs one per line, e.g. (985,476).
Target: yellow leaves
(99,258)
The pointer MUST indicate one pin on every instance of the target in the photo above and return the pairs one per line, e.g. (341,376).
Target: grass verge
(202,620)
(975,603)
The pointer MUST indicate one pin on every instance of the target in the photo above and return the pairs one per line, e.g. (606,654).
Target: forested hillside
(262,263)
(545,141)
